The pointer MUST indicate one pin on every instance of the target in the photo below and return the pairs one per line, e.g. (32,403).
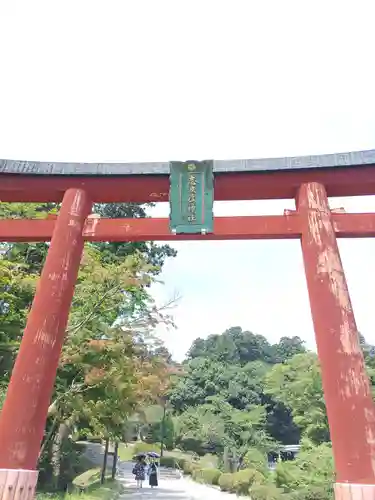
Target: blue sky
(136,81)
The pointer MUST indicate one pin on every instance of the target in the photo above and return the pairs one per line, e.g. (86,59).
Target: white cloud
(127,81)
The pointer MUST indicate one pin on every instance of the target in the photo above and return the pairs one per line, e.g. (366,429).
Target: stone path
(169,489)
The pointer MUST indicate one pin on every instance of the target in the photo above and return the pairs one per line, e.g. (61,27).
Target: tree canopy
(111,363)
(238,395)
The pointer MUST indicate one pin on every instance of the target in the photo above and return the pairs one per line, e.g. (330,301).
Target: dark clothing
(139,472)
(153,475)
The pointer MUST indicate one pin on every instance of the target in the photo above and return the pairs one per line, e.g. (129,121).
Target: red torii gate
(310,180)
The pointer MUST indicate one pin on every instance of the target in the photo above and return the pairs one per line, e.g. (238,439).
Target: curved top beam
(337,160)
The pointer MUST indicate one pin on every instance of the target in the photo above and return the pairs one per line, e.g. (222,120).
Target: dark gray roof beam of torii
(338,160)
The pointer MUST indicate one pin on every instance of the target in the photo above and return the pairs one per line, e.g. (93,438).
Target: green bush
(265,492)
(207,476)
(187,466)
(209,461)
(72,463)
(312,493)
(240,481)
(226,482)
(312,469)
(255,459)
(201,470)
(168,462)
(244,479)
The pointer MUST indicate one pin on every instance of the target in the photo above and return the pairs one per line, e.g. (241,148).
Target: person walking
(152,473)
(139,471)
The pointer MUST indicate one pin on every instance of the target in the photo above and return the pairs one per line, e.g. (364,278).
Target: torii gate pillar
(350,408)
(24,414)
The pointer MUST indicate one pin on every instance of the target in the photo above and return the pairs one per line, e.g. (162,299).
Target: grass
(111,490)
(125,452)
(86,486)
(87,478)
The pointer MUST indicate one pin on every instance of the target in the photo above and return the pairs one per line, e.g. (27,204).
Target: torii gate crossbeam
(309,180)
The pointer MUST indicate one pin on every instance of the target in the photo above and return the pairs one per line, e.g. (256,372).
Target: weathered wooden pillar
(23,417)
(350,409)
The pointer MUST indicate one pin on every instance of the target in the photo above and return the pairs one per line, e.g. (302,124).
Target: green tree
(111,363)
(114,252)
(297,384)
(310,475)
(232,346)
(241,347)
(219,366)
(287,347)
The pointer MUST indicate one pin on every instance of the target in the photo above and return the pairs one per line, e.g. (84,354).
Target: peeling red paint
(24,413)
(348,181)
(225,228)
(350,409)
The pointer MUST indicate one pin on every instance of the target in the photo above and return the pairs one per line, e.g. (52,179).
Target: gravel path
(170,489)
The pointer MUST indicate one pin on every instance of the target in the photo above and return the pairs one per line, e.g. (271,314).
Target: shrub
(209,461)
(207,476)
(168,462)
(72,463)
(312,468)
(265,492)
(244,479)
(240,481)
(312,493)
(226,482)
(255,459)
(187,466)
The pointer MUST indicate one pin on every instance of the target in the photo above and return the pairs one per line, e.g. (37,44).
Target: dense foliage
(222,400)
(111,364)
(239,398)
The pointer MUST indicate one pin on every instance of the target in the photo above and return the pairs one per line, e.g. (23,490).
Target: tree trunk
(226,460)
(61,436)
(104,465)
(115,460)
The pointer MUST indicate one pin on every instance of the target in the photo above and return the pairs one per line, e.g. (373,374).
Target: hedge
(207,476)
(186,465)
(226,482)
(240,482)
(168,462)
(266,492)
(244,479)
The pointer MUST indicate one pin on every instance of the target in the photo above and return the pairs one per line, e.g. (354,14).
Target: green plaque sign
(191,197)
